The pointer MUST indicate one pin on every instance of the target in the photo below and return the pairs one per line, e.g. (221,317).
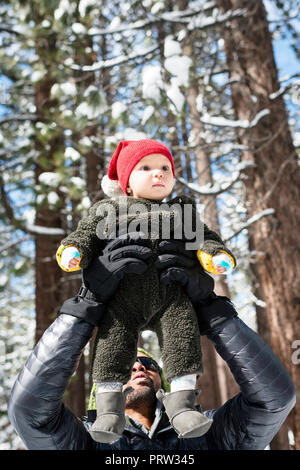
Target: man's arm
(35,407)
(252,418)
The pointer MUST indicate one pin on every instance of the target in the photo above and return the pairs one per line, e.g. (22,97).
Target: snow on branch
(252,220)
(7,29)
(19,117)
(21,224)
(10,245)
(194,19)
(104,64)
(202,22)
(223,122)
(140,24)
(178,16)
(48,231)
(291,17)
(216,189)
(283,89)
(285,78)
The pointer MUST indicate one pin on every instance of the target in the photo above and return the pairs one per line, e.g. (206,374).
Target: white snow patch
(86,203)
(149,110)
(171,47)
(73,154)
(176,97)
(78,182)
(179,67)
(152,82)
(49,179)
(78,28)
(67,88)
(53,198)
(84,5)
(158,6)
(38,75)
(117,109)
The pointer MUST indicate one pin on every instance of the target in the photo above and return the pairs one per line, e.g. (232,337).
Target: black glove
(216,310)
(124,255)
(84,306)
(180,265)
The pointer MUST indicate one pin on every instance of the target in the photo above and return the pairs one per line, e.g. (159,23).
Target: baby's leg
(179,340)
(115,347)
(113,356)
(178,336)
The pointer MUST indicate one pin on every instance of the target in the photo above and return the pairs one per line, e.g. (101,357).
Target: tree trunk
(274,182)
(48,274)
(217,382)
(163,30)
(77,393)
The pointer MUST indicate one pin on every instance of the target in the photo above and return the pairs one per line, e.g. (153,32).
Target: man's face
(144,383)
(151,178)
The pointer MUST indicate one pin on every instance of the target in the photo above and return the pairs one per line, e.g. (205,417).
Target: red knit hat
(126,156)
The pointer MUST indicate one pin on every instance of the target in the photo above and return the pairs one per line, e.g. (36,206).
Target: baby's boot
(110,421)
(181,409)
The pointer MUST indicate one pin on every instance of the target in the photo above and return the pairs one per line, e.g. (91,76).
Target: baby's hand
(220,269)
(222,263)
(69,258)
(73,263)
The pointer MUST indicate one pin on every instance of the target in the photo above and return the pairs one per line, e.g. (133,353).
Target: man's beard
(145,394)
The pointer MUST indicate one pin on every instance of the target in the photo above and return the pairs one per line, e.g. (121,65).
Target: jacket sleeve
(249,420)
(88,235)
(213,243)
(35,406)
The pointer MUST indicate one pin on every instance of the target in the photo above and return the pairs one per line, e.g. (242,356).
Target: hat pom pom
(111,188)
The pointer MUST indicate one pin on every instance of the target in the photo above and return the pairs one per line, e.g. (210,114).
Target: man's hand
(179,265)
(126,254)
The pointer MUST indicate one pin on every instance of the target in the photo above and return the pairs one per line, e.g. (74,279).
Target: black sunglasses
(148,363)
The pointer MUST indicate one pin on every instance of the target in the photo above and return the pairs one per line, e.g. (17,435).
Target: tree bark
(217,382)
(48,293)
(274,182)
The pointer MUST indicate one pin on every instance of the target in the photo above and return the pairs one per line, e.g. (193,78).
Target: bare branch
(291,160)
(5,201)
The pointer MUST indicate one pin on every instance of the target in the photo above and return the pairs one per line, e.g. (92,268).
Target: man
(143,410)
(248,421)
(141,390)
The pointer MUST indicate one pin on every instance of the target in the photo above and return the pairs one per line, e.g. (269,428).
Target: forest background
(218,82)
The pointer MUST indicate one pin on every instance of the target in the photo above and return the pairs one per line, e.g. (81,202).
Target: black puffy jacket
(247,421)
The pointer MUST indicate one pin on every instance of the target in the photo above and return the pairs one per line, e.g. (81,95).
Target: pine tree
(274,180)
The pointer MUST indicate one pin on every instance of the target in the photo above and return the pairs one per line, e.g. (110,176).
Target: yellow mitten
(66,254)
(222,258)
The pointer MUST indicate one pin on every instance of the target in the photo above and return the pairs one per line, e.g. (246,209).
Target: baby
(140,176)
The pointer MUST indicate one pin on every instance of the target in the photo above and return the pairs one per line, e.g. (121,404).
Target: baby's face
(151,178)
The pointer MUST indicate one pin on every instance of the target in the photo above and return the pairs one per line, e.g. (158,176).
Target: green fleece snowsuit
(141,302)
